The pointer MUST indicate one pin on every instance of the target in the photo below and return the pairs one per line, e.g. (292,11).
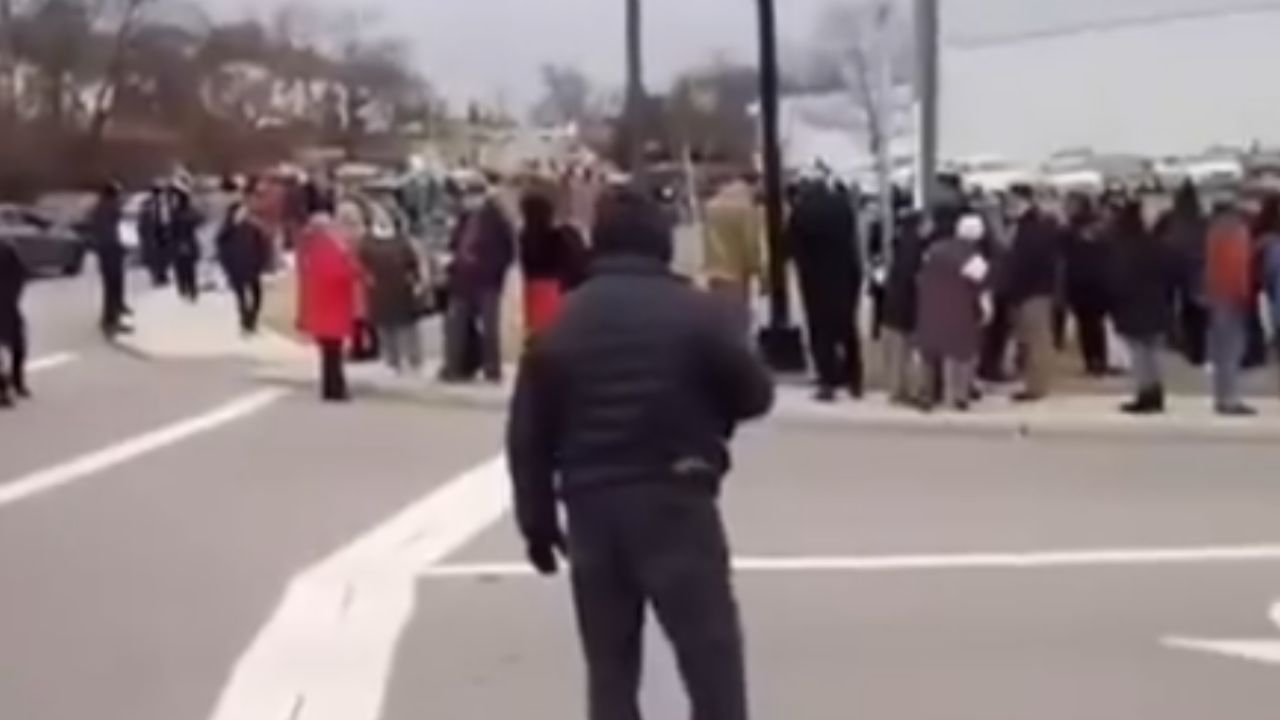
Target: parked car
(71,210)
(46,246)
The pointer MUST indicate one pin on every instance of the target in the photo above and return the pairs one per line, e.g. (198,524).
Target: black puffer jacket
(13,280)
(641,379)
(1033,263)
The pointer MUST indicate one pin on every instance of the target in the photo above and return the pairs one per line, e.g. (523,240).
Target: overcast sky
(488,49)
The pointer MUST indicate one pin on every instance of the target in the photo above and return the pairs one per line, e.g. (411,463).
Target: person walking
(900,314)
(244,251)
(394,298)
(949,333)
(13,325)
(733,254)
(328,281)
(824,241)
(1087,255)
(1145,278)
(552,261)
(1230,291)
(1032,279)
(104,228)
(155,226)
(184,243)
(638,453)
(483,251)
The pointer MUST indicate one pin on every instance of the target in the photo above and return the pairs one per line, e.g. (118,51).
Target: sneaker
(1237,410)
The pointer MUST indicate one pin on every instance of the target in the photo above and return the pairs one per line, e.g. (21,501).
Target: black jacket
(900,298)
(1032,265)
(823,231)
(641,379)
(244,249)
(13,280)
(1088,268)
(1144,275)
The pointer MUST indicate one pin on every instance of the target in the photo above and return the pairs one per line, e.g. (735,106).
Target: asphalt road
(177,542)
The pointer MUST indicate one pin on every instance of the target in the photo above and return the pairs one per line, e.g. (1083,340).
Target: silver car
(45,246)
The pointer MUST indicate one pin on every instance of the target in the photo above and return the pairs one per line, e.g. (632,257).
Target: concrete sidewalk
(170,329)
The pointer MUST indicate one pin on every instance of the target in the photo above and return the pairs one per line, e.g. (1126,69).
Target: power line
(1091,27)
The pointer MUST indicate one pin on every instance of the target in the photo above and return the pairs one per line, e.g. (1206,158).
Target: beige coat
(733,236)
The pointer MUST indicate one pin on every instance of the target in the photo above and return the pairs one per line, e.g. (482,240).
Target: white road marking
(53,478)
(976,561)
(327,652)
(51,362)
(1263,650)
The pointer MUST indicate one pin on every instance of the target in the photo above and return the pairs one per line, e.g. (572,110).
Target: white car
(992,174)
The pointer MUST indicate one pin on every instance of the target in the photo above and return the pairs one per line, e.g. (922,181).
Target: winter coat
(328,282)
(1145,274)
(483,250)
(1087,256)
(642,379)
(185,232)
(1031,268)
(13,281)
(243,247)
(824,242)
(393,281)
(1184,235)
(733,236)
(552,252)
(1229,277)
(900,291)
(104,230)
(949,324)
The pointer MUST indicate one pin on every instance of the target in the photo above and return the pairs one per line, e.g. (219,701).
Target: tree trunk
(104,100)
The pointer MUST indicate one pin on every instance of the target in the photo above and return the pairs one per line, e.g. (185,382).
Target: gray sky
(1153,89)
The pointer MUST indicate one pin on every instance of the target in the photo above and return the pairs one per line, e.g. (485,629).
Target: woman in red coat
(328,287)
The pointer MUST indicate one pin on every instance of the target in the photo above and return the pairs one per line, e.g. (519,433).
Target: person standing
(900,310)
(104,225)
(1143,285)
(13,326)
(824,241)
(244,249)
(1230,292)
(155,225)
(1183,230)
(394,295)
(1032,280)
(732,245)
(184,243)
(328,282)
(949,333)
(1087,262)
(483,251)
(638,453)
(552,261)
(1269,257)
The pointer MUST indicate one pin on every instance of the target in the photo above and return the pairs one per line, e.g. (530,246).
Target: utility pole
(927,92)
(635,102)
(780,340)
(887,109)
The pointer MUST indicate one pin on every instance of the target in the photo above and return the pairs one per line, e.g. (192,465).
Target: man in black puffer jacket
(625,407)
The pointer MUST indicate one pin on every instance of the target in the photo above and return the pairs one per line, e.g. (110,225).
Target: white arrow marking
(1254,649)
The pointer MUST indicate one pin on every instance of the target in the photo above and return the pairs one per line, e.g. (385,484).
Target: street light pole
(780,341)
(634,125)
(927,89)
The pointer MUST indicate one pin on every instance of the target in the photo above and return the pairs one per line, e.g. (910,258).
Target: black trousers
(186,276)
(1091,325)
(662,546)
(1193,331)
(834,341)
(333,373)
(13,357)
(112,271)
(248,292)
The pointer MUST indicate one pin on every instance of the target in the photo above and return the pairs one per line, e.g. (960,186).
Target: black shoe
(856,393)
(6,402)
(960,406)
(1026,397)
(1148,402)
(22,392)
(825,395)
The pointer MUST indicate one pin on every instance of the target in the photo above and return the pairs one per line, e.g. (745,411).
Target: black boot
(1148,402)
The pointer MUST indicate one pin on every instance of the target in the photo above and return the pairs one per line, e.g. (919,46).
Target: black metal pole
(780,340)
(928,88)
(634,125)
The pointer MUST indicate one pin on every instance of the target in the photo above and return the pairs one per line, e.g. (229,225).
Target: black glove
(544,552)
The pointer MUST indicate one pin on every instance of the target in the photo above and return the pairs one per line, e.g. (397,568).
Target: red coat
(328,284)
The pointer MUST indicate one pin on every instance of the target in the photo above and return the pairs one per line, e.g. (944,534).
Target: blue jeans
(1228,340)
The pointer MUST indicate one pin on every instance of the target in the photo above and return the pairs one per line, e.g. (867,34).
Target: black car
(45,246)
